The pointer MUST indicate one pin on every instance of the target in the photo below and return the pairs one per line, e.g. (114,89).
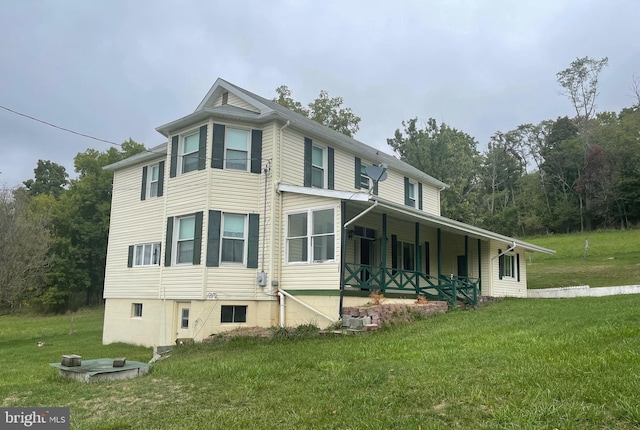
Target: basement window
(233,314)
(136,310)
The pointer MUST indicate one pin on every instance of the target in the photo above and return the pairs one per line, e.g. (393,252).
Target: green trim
(349,293)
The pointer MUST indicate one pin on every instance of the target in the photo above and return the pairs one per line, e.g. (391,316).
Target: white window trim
(176,235)
(248,168)
(363,175)
(181,153)
(134,307)
(151,181)
(512,266)
(412,196)
(310,235)
(143,245)
(244,239)
(325,166)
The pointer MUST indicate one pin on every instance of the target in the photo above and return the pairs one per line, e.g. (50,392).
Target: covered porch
(391,249)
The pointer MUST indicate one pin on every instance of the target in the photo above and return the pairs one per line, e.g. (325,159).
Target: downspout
(283,293)
(281,297)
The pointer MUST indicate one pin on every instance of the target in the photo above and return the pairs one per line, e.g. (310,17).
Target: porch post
(343,249)
(466,254)
(439,236)
(479,266)
(418,261)
(383,251)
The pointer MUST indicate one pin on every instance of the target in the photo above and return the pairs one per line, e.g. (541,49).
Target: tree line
(574,173)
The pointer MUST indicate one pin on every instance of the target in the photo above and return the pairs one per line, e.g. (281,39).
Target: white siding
(310,276)
(507,287)
(128,210)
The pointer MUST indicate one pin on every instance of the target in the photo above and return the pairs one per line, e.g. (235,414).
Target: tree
(447,154)
(325,110)
(81,227)
(580,85)
(24,243)
(49,178)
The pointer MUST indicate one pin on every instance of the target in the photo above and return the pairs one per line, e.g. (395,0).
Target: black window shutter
(168,242)
(394,251)
(202,148)
(217,148)
(161,179)
(254,239)
(307,161)
(197,239)
(330,168)
(130,257)
(420,195)
(500,264)
(213,239)
(357,168)
(427,259)
(174,156)
(143,188)
(406,191)
(256,151)
(375,188)
(518,266)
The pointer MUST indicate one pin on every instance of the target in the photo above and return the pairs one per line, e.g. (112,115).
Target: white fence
(581,291)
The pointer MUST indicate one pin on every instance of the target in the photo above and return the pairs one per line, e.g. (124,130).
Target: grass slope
(614,259)
(569,364)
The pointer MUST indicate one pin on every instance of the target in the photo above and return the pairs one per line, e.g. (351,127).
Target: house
(253,215)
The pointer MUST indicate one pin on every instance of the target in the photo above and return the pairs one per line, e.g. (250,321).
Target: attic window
(225,98)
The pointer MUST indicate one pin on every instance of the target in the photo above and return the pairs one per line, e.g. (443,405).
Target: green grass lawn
(533,364)
(614,259)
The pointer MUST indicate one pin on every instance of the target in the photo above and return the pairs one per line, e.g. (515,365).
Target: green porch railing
(446,288)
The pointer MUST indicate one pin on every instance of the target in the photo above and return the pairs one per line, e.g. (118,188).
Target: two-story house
(253,215)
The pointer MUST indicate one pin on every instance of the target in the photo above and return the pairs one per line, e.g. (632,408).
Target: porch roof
(436,221)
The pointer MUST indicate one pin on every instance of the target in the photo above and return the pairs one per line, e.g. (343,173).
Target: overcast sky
(118,69)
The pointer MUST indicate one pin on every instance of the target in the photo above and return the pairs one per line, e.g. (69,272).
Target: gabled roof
(270,110)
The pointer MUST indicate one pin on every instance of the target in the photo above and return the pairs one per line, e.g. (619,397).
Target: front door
(462,267)
(183,321)
(366,258)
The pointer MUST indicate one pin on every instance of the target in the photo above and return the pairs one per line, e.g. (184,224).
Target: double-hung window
(509,264)
(189,151)
(318,170)
(412,194)
(154,177)
(365,180)
(185,240)
(233,238)
(311,236)
(237,149)
(147,254)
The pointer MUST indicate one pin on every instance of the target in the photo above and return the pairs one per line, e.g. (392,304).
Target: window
(184,318)
(406,255)
(136,310)
(412,194)
(185,240)
(147,254)
(317,167)
(365,180)
(233,238)
(508,266)
(233,314)
(189,151)
(311,234)
(237,149)
(153,181)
